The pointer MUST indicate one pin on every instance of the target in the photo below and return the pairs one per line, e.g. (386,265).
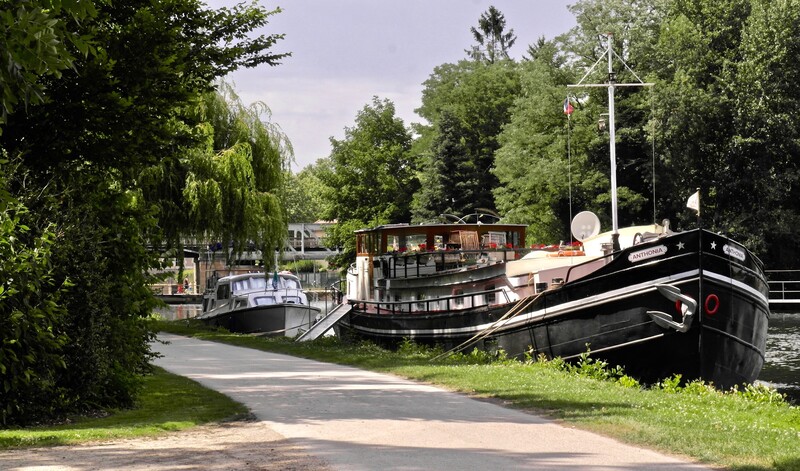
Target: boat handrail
(394,307)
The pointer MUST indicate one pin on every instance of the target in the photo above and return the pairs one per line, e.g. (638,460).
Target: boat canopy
(402,238)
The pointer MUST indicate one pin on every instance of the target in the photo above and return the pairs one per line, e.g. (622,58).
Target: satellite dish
(584,225)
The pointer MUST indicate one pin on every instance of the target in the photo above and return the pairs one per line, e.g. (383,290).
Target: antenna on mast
(611,85)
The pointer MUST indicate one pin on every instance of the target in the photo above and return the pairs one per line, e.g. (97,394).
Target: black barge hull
(626,313)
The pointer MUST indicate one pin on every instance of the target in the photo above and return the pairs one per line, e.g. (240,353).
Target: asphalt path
(360,420)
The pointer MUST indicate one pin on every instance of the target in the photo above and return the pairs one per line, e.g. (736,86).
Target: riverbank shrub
(31,340)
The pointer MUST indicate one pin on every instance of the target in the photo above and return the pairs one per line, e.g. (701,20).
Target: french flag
(568,109)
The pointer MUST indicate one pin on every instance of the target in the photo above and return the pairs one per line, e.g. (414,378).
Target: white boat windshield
(289,283)
(249,284)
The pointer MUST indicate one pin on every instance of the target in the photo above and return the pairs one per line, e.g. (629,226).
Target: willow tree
(234,182)
(77,163)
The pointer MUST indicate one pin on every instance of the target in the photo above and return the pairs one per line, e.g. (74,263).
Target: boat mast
(612,138)
(611,85)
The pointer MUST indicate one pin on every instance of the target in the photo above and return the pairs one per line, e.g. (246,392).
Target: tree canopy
(120,114)
(723,106)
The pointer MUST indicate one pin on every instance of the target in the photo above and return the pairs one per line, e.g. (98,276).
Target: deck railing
(784,285)
(433,305)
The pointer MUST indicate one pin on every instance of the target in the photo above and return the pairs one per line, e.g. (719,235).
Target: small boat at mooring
(271,304)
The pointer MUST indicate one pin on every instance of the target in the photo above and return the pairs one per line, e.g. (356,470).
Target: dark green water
(782,367)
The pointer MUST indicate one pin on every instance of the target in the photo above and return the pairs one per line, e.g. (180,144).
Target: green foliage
(448,177)
(100,163)
(368,179)
(36,38)
(31,340)
(302,195)
(233,184)
(371,175)
(598,369)
(671,384)
(302,266)
(535,164)
(467,104)
(493,41)
(760,393)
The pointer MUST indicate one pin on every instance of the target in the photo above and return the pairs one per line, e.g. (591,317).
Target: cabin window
(367,243)
(421,306)
(290,283)
(223,291)
(466,240)
(264,300)
(291,299)
(494,240)
(459,301)
(491,298)
(249,284)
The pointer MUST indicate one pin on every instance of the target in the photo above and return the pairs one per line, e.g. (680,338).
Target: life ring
(711,298)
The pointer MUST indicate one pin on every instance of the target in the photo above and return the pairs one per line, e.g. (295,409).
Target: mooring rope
(521,305)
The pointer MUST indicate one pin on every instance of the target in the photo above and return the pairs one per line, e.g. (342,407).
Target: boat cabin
(434,266)
(254,289)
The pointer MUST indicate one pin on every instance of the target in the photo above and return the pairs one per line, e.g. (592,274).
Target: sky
(344,52)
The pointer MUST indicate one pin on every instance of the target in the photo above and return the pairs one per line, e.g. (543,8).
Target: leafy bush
(302,266)
(31,341)
(760,393)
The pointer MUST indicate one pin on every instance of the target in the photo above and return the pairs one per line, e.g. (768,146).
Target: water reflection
(782,366)
(174,312)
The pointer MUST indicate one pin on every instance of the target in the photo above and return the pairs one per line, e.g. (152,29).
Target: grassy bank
(167,403)
(748,430)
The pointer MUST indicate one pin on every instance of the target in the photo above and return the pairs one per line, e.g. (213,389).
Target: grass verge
(167,403)
(750,430)
(744,431)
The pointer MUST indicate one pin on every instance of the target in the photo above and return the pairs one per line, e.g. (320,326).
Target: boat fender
(711,304)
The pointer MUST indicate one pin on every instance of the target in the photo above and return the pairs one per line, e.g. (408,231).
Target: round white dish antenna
(584,225)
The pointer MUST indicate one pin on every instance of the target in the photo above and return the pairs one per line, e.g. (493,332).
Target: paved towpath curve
(359,420)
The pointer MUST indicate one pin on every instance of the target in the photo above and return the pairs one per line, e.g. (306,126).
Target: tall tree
(469,102)
(233,184)
(492,38)
(303,195)
(76,159)
(537,170)
(448,180)
(371,176)
(763,208)
(698,44)
(36,42)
